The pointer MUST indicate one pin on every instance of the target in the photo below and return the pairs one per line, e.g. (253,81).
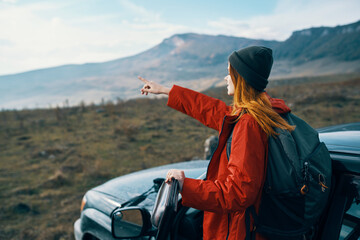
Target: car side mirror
(130,222)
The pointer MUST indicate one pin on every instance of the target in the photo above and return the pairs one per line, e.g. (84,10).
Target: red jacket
(230,186)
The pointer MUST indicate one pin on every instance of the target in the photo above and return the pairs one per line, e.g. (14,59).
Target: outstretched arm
(207,110)
(152,87)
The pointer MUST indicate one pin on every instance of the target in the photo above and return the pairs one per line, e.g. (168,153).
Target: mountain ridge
(193,60)
(342,43)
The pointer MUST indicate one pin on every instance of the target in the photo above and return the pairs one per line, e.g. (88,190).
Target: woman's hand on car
(178,175)
(152,87)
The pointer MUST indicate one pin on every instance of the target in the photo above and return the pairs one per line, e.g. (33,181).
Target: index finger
(143,79)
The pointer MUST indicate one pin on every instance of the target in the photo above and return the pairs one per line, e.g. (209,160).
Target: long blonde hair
(249,100)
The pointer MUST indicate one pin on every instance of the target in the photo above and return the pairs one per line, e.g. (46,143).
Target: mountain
(341,43)
(319,51)
(191,60)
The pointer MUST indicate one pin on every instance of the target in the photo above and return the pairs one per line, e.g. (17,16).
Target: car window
(350,225)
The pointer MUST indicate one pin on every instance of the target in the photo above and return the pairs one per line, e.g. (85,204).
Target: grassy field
(50,158)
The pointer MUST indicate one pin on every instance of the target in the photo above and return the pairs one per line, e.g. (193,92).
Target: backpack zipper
(305,189)
(308,172)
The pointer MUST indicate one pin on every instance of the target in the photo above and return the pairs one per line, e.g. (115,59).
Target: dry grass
(323,103)
(50,158)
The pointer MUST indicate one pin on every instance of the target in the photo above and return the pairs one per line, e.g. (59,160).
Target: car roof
(341,127)
(343,142)
(346,141)
(342,138)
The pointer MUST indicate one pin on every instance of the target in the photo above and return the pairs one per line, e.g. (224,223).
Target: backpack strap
(228,143)
(250,235)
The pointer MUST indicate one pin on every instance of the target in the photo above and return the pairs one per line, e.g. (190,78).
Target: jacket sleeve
(246,168)
(209,111)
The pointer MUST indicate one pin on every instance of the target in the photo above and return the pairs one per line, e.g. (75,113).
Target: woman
(236,183)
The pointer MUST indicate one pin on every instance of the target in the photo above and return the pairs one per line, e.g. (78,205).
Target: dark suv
(132,206)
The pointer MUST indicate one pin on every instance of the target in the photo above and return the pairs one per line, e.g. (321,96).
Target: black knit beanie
(253,64)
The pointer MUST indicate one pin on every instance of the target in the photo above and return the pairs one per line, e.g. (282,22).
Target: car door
(165,209)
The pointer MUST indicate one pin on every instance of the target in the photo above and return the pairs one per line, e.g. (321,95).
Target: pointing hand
(152,87)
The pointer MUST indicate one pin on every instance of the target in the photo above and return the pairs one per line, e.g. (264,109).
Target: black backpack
(297,184)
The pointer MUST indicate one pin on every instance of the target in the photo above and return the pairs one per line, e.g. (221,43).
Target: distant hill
(192,60)
(319,51)
(341,43)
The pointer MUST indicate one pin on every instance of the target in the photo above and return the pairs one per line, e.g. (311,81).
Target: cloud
(8,1)
(6,43)
(42,36)
(51,33)
(142,13)
(289,16)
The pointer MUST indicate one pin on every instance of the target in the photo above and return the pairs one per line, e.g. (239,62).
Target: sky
(37,34)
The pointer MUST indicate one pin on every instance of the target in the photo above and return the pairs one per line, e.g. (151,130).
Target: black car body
(341,221)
